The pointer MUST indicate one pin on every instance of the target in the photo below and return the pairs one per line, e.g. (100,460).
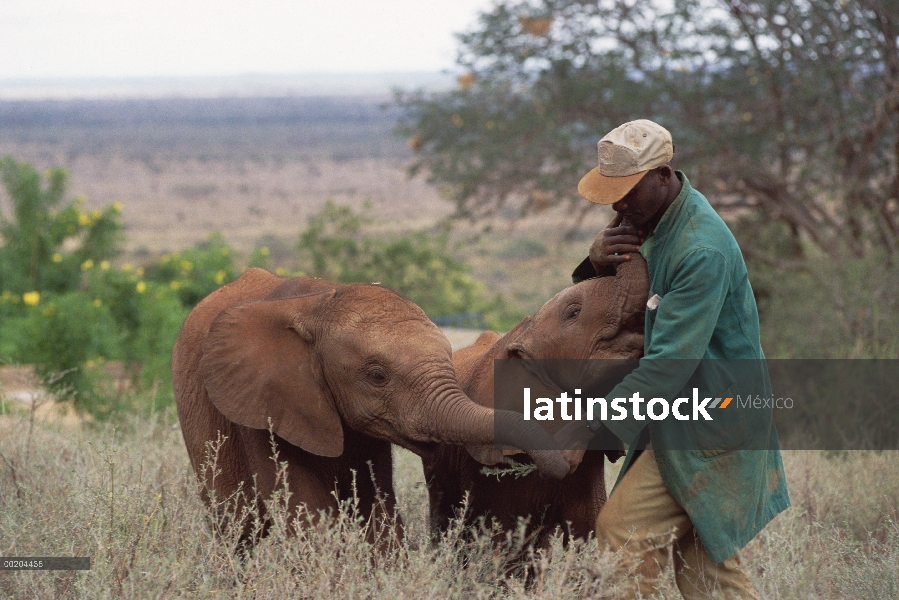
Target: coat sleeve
(685,320)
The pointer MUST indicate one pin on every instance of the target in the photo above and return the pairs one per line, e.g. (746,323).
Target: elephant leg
(585,495)
(445,492)
(370,482)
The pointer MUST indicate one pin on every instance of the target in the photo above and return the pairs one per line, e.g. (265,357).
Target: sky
(182,38)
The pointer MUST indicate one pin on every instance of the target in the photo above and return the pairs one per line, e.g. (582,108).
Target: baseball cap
(626,154)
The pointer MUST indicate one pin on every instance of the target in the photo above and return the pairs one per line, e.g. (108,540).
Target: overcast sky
(139,38)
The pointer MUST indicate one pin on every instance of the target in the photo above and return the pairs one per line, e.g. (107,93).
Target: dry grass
(127,498)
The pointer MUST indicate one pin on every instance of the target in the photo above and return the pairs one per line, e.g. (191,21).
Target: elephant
(597,318)
(328,376)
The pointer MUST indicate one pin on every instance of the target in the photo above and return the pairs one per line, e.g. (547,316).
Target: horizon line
(248,84)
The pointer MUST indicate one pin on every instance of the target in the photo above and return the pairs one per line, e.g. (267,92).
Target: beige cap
(626,154)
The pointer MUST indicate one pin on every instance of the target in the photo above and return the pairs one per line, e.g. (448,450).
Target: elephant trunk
(459,420)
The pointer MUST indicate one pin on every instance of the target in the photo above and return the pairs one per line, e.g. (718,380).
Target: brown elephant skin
(597,318)
(332,375)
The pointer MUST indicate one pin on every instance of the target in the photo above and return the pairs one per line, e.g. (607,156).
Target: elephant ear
(627,292)
(258,366)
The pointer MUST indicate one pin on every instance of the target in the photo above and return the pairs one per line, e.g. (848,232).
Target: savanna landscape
(117,486)
(120,214)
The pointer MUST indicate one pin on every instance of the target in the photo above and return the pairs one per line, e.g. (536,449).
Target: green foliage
(149,316)
(196,272)
(62,335)
(421,266)
(47,240)
(780,107)
(821,308)
(67,310)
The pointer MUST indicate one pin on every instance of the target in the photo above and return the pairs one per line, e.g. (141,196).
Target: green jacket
(706,311)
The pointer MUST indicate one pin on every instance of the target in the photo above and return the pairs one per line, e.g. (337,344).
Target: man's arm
(612,246)
(685,320)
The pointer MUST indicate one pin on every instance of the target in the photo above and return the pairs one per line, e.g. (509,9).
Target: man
(708,491)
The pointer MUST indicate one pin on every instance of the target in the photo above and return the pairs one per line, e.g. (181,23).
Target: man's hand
(572,440)
(615,243)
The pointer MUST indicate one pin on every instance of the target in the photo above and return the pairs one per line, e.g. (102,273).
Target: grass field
(126,497)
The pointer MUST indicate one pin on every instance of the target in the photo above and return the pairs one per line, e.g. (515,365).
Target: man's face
(645,199)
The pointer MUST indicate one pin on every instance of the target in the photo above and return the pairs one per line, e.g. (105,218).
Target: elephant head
(312,360)
(600,318)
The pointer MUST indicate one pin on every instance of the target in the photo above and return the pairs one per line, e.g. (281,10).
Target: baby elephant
(597,318)
(333,374)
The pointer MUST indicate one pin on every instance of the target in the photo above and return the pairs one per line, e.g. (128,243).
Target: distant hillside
(248,85)
(248,166)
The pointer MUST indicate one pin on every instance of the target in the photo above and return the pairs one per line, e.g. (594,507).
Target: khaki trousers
(642,518)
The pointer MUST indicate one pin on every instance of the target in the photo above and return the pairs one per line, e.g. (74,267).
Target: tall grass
(126,497)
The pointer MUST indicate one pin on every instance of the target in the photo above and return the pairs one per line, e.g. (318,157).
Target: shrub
(148,315)
(421,266)
(47,241)
(196,272)
(63,335)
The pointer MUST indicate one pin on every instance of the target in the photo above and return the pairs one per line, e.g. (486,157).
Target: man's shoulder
(703,228)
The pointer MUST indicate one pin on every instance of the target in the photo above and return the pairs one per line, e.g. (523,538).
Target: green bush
(196,272)
(63,335)
(421,266)
(148,315)
(47,241)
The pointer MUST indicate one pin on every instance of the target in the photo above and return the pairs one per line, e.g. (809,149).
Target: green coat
(706,311)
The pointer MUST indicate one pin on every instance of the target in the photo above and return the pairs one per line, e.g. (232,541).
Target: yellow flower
(186,265)
(96,214)
(264,251)
(174,285)
(84,220)
(117,206)
(57,257)
(98,303)
(220,277)
(89,263)
(281,271)
(104,265)
(127,267)
(31,298)
(141,287)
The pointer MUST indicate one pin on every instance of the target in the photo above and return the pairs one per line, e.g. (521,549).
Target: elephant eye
(376,375)
(571,311)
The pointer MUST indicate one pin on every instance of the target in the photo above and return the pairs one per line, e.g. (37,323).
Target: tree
(784,110)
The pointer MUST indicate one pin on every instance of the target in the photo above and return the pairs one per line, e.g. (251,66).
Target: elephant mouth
(422,449)
(517,352)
